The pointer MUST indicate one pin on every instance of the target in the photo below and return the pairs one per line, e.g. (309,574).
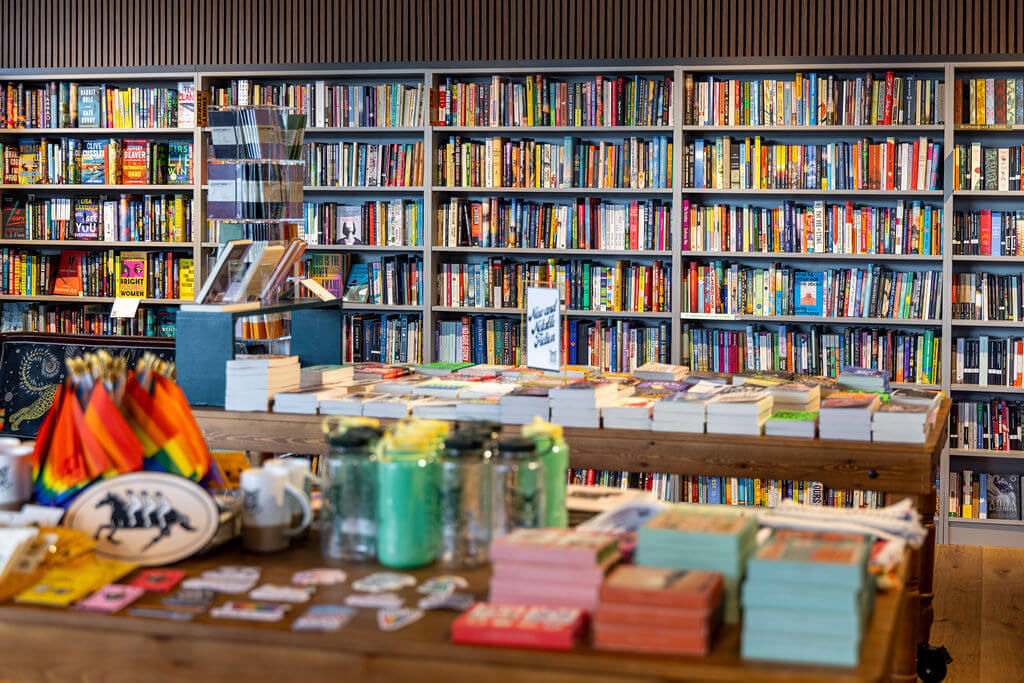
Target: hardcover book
(131,281)
(1003,497)
(93,156)
(69,273)
(135,162)
(690,589)
(179,162)
(519,625)
(808,293)
(89,114)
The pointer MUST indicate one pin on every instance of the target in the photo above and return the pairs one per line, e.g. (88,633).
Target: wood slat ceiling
(69,34)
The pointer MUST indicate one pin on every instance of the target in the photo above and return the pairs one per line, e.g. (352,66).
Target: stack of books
(250,382)
(684,411)
(710,538)
(802,424)
(739,409)
(325,376)
(579,403)
(649,609)
(907,417)
(796,396)
(863,379)
(807,598)
(551,567)
(348,404)
(660,372)
(306,401)
(520,406)
(519,626)
(635,412)
(847,415)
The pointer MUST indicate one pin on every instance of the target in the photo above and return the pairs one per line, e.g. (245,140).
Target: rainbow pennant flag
(62,469)
(163,446)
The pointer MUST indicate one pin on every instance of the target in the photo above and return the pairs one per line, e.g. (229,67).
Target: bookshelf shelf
(368,189)
(55,298)
(963,521)
(986,323)
(397,308)
(97,131)
(988,129)
(555,190)
(786,255)
(526,131)
(986,453)
(362,130)
(813,193)
(812,319)
(1016,194)
(570,313)
(987,259)
(97,188)
(95,244)
(811,130)
(361,247)
(915,385)
(526,251)
(987,388)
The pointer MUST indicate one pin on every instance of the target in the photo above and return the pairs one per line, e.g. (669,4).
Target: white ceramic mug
(15,476)
(266,515)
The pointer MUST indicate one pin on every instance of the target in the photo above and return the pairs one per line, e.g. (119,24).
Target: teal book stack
(705,537)
(807,598)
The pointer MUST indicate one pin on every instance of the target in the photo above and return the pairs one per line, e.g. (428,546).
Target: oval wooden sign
(151,518)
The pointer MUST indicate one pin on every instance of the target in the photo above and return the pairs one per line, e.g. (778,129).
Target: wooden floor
(979,612)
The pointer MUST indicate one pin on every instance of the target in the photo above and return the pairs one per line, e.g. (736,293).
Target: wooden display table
(45,644)
(904,470)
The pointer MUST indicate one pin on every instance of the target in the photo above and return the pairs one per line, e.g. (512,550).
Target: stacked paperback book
(579,404)
(551,567)
(739,409)
(701,537)
(847,415)
(635,412)
(795,408)
(907,417)
(651,609)
(251,382)
(519,626)
(807,598)
(523,404)
(684,411)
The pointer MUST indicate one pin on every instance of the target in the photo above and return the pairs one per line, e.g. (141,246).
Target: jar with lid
(518,486)
(465,500)
(554,453)
(407,499)
(349,515)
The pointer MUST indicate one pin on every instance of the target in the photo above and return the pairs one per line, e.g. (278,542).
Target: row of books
(987,168)
(69,104)
(724,163)
(330,271)
(383,338)
(154,275)
(910,227)
(129,218)
(984,495)
(398,222)
(93,319)
(987,296)
(587,223)
(995,425)
(544,101)
(71,161)
(335,105)
(364,164)
(611,346)
(584,285)
(988,233)
(391,280)
(870,292)
(989,361)
(639,163)
(988,101)
(815,99)
(906,356)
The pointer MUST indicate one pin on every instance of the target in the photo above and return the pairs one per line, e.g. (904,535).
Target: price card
(125,307)
(317,290)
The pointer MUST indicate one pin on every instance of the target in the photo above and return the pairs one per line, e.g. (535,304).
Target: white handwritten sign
(543,329)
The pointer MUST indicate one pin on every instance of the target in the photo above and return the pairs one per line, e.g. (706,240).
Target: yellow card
(231,465)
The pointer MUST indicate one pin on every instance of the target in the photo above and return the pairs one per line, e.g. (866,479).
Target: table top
(425,642)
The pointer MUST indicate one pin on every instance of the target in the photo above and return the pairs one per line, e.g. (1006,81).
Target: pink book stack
(551,567)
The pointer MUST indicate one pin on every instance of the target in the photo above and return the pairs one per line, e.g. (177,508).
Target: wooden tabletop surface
(46,644)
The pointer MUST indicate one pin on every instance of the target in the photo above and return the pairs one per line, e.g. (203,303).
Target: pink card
(110,598)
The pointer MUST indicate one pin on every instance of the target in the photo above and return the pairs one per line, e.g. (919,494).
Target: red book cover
(986,232)
(519,626)
(887,111)
(687,589)
(135,162)
(958,104)
(890,165)
(69,274)
(640,639)
(1000,101)
(915,152)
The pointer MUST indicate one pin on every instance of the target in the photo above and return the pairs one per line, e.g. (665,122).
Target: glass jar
(554,453)
(518,486)
(407,534)
(349,515)
(465,501)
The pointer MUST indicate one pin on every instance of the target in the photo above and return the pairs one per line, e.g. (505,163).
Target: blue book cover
(714,490)
(997,233)
(785,647)
(479,340)
(698,163)
(88,106)
(573,331)
(813,109)
(807,292)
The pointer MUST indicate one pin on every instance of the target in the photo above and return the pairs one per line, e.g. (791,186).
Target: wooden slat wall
(133,33)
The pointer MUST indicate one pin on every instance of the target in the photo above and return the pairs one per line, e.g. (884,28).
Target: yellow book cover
(979,99)
(131,279)
(186,279)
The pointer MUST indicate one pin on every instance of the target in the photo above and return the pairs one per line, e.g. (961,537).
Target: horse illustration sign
(151,518)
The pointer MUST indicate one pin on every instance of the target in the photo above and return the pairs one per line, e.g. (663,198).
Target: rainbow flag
(112,433)
(63,470)
(171,398)
(163,446)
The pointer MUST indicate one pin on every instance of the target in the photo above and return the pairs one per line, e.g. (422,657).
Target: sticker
(319,577)
(394,619)
(232,586)
(324,618)
(442,584)
(381,582)
(157,580)
(236,571)
(458,602)
(190,597)
(162,613)
(250,611)
(275,593)
(381,600)
(110,598)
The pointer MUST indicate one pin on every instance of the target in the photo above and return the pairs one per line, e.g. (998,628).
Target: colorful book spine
(383,338)
(996,425)
(397,222)
(363,164)
(988,361)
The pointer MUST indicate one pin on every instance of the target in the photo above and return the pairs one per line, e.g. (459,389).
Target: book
(794,423)
(653,371)
(902,421)
(69,274)
(847,415)
(94,155)
(808,293)
(89,112)
(135,162)
(657,587)
(186,104)
(795,556)
(863,379)
(519,626)
(563,547)
(325,375)
(1003,496)
(132,274)
(179,162)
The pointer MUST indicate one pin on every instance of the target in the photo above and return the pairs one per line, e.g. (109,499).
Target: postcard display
(255,179)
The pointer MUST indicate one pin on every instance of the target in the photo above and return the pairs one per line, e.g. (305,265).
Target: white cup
(266,515)
(15,476)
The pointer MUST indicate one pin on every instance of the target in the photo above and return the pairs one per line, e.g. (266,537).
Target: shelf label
(543,328)
(317,290)
(125,307)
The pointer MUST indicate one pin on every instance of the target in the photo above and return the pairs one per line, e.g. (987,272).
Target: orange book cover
(69,274)
(135,162)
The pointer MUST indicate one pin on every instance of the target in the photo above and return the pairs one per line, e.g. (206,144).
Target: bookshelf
(432,195)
